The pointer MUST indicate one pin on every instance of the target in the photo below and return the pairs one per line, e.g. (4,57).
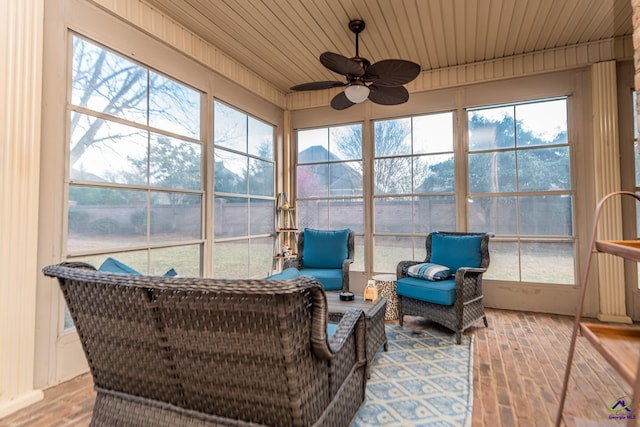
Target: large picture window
(329,182)
(520,190)
(135,165)
(414,185)
(244,194)
(135,162)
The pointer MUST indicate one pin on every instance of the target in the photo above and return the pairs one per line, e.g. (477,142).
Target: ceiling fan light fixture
(357,92)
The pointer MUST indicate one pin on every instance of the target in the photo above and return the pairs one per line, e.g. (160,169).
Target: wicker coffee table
(374,312)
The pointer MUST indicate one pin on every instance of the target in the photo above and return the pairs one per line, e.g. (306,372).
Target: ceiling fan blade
(392,72)
(385,95)
(317,85)
(341,64)
(340,102)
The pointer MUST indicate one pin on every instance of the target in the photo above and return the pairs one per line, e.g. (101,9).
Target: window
(244,194)
(329,182)
(520,189)
(135,162)
(414,185)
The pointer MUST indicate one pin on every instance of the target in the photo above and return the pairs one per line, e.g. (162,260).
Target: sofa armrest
(348,346)
(352,323)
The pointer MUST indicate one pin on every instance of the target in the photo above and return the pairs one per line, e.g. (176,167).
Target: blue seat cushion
(331,329)
(330,278)
(441,292)
(325,248)
(286,274)
(456,251)
(112,265)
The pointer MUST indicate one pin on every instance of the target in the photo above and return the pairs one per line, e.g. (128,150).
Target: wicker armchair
(455,303)
(203,352)
(327,256)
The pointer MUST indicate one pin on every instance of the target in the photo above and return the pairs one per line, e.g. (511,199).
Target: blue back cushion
(456,251)
(325,249)
(112,265)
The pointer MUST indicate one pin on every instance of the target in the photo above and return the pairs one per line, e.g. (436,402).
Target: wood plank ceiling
(281,40)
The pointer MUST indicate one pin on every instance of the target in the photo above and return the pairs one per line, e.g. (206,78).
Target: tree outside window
(135,165)
(520,190)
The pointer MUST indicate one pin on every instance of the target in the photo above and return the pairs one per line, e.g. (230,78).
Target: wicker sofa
(191,351)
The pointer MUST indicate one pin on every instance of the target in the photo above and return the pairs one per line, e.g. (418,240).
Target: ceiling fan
(381,82)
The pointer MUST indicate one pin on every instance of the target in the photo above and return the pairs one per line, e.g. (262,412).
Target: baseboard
(21,402)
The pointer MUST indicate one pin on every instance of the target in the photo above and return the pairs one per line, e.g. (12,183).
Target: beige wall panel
(607,163)
(20,86)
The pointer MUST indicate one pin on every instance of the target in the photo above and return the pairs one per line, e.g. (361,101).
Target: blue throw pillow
(171,273)
(456,251)
(429,271)
(112,265)
(324,248)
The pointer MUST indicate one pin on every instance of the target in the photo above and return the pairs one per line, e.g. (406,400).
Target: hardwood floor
(519,364)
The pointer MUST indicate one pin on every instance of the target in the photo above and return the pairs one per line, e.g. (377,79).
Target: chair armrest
(468,284)
(345,274)
(292,262)
(402,267)
(463,271)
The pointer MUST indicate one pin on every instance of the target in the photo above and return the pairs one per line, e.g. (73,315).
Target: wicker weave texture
(193,351)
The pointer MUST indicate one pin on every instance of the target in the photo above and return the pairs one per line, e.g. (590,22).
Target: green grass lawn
(544,263)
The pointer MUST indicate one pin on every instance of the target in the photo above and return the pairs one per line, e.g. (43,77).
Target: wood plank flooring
(519,364)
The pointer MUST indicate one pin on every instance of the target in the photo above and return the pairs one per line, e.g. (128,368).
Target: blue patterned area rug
(424,379)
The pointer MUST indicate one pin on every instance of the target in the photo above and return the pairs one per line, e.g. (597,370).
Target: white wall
(20,86)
